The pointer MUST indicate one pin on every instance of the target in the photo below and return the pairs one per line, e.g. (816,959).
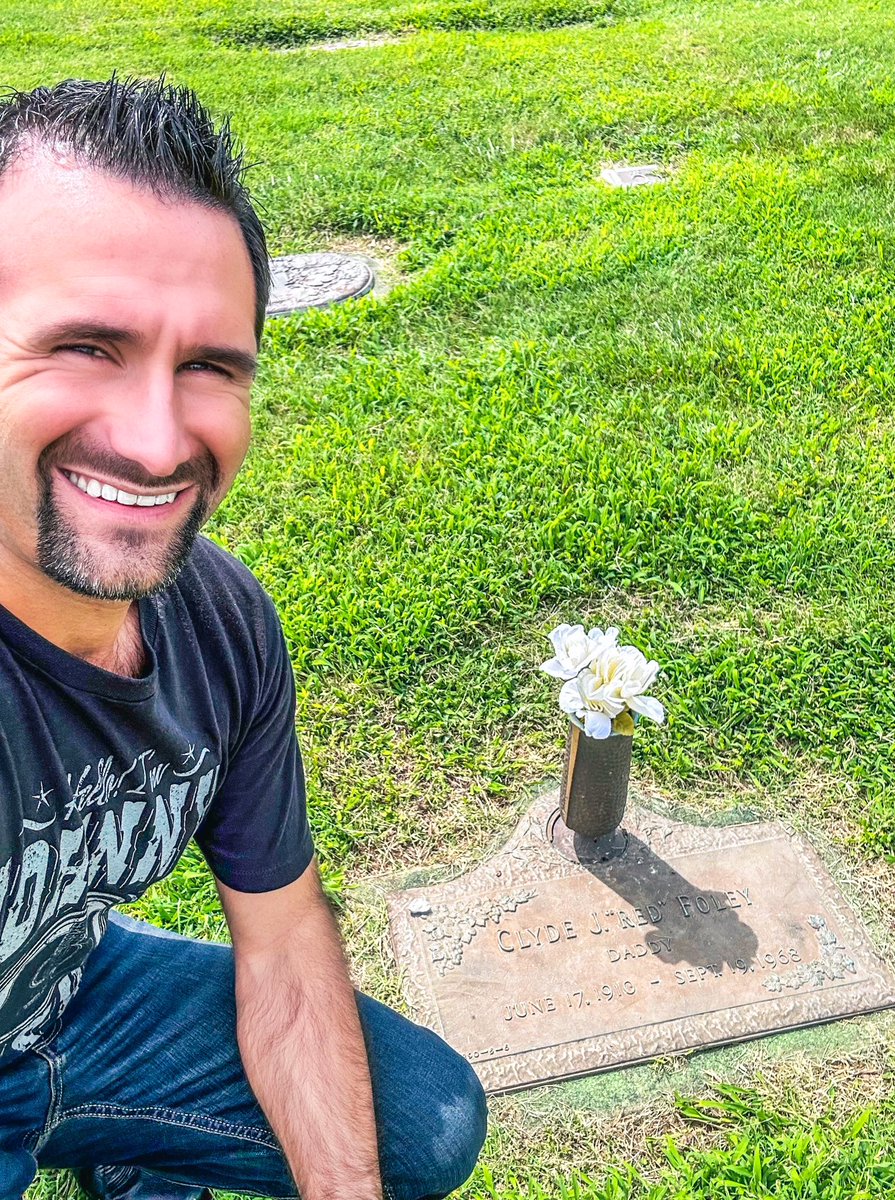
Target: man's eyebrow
(238,360)
(88,331)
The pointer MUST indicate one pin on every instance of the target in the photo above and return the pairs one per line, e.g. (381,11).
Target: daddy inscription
(574,968)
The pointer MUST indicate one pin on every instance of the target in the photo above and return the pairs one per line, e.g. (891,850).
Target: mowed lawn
(666,408)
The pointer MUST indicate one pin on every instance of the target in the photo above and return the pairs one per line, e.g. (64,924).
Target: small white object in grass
(628,177)
(420,907)
(359,43)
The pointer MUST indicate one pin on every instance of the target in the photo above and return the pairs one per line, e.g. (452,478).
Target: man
(146,697)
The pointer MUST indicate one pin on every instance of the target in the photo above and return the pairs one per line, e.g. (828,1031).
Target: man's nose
(147,424)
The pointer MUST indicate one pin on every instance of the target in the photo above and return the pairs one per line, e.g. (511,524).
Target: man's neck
(105,633)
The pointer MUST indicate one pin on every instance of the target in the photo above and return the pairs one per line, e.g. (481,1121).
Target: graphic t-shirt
(104,779)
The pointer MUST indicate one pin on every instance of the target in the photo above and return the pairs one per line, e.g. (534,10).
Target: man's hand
(300,1038)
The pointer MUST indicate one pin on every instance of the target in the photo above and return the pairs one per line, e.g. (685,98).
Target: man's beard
(141,563)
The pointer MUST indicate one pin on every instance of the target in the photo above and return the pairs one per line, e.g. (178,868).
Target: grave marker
(545,963)
(628,177)
(301,281)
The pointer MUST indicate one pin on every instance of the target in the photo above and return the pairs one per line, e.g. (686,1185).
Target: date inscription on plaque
(539,966)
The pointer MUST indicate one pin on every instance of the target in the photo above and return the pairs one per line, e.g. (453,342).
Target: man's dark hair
(146,131)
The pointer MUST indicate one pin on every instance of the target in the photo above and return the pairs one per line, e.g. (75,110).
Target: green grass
(313,23)
(668,408)
(761,1154)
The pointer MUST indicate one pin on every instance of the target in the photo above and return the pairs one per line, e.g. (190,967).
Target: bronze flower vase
(595,777)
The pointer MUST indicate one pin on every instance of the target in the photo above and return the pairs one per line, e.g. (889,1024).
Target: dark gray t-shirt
(104,779)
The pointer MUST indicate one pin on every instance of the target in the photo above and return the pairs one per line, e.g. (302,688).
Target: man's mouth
(99,489)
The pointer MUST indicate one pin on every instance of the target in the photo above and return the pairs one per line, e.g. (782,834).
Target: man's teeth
(94,488)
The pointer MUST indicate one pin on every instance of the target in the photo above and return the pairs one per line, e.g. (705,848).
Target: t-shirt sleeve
(255,836)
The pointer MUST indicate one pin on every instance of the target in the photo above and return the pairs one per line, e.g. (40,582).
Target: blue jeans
(145,1073)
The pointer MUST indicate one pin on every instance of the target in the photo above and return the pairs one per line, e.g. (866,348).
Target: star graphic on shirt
(189,754)
(43,796)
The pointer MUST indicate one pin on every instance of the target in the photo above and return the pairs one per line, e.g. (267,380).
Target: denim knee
(469,1122)
(457,1128)
(430,1106)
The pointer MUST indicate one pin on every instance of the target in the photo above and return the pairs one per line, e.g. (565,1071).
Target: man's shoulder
(211,561)
(218,590)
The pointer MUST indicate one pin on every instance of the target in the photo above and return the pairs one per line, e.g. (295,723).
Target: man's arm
(300,1038)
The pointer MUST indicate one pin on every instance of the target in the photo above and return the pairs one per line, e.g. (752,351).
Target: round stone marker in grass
(302,281)
(628,177)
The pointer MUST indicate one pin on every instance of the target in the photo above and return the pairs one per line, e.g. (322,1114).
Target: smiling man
(146,697)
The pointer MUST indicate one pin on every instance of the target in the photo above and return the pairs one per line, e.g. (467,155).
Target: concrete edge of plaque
(459,945)
(385,276)
(791,1058)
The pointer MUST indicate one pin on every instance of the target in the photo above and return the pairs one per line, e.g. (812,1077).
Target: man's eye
(82,348)
(202,365)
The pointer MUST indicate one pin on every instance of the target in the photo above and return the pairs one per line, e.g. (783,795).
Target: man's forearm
(303,1051)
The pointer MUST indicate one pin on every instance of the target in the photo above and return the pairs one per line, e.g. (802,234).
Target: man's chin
(131,568)
(113,589)
(111,584)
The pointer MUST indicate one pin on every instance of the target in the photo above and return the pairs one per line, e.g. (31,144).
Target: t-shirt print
(121,830)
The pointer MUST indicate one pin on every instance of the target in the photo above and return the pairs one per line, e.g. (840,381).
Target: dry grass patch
(368,41)
(360,43)
(382,254)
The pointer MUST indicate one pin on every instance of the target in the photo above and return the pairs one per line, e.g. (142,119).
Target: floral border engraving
(450,929)
(834,961)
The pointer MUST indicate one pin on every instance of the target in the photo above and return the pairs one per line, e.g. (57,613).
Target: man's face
(126,348)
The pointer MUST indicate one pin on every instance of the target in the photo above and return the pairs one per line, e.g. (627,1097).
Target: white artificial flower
(612,683)
(639,676)
(587,696)
(597,725)
(576,649)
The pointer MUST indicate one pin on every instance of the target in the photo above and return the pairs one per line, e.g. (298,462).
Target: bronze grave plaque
(539,966)
(300,281)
